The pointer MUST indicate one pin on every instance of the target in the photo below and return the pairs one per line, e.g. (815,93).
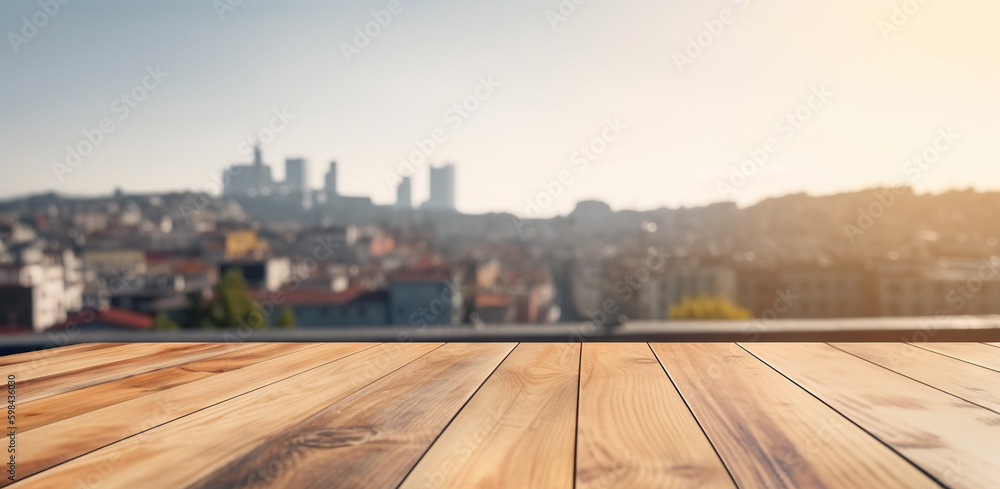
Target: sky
(666,119)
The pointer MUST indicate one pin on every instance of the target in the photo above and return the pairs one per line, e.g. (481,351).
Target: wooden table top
(520,415)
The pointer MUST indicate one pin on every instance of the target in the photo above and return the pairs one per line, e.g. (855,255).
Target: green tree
(198,313)
(235,305)
(163,323)
(705,307)
(287,318)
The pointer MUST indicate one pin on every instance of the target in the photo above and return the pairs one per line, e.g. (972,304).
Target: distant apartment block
(404,196)
(442,188)
(330,183)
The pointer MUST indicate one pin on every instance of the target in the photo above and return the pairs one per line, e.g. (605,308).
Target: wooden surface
(522,415)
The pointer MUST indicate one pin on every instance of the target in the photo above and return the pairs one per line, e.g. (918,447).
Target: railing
(912,329)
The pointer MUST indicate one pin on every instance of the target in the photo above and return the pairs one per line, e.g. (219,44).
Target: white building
(55,283)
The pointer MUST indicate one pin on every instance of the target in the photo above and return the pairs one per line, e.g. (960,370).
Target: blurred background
(270,164)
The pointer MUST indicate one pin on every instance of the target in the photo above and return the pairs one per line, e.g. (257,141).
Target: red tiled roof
(193,266)
(14,329)
(111,315)
(487,300)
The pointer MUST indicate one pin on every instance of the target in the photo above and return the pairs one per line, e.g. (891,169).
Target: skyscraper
(262,172)
(296,179)
(331,182)
(404,197)
(442,188)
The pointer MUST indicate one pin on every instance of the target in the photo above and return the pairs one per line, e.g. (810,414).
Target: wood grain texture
(955,441)
(421,415)
(50,409)
(374,437)
(973,383)
(977,353)
(179,453)
(164,356)
(518,430)
(44,365)
(62,351)
(635,431)
(771,433)
(58,442)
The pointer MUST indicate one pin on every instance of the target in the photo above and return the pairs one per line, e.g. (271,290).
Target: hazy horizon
(558,82)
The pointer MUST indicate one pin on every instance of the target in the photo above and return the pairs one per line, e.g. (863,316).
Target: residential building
(269,274)
(114,261)
(324,308)
(958,287)
(44,288)
(667,289)
(424,297)
(493,309)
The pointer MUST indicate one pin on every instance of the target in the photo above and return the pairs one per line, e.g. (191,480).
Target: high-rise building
(331,182)
(296,179)
(442,188)
(404,197)
(249,180)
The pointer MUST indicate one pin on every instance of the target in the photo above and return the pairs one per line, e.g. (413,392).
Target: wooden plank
(165,356)
(771,433)
(41,355)
(58,442)
(635,431)
(61,363)
(374,437)
(518,430)
(953,440)
(179,453)
(970,382)
(50,409)
(977,353)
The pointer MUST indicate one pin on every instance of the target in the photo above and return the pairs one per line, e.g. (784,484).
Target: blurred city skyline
(545,82)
